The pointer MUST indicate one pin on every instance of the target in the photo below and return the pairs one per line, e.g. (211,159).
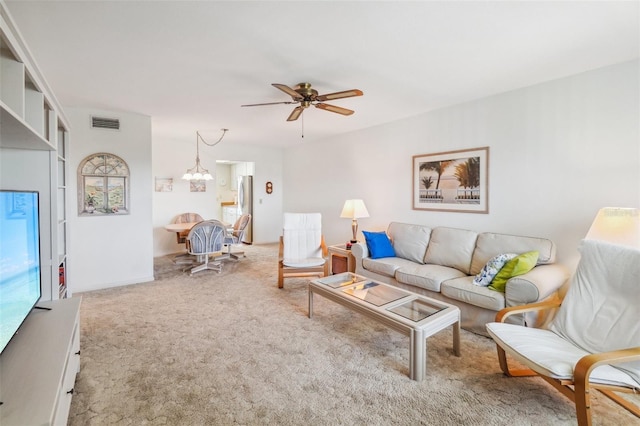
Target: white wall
(171,158)
(108,251)
(559,151)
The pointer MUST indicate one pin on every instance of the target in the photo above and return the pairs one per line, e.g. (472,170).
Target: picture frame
(452,181)
(198,186)
(164,184)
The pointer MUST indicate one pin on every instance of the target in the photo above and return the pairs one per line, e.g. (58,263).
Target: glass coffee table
(411,314)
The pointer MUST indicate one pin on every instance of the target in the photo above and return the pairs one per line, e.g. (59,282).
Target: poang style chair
(593,342)
(207,238)
(302,252)
(235,236)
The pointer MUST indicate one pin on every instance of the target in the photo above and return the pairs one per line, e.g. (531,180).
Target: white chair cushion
(303,263)
(550,355)
(600,312)
(302,236)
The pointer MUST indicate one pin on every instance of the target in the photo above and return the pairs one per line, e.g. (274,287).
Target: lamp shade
(354,209)
(616,225)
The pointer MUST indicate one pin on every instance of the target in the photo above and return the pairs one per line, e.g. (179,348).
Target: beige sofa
(442,262)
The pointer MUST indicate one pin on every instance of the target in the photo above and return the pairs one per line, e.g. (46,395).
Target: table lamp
(616,225)
(354,209)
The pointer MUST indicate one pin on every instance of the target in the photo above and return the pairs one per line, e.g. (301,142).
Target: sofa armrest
(359,251)
(536,285)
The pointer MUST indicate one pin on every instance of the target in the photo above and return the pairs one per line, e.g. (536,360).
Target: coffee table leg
(310,303)
(456,338)
(417,355)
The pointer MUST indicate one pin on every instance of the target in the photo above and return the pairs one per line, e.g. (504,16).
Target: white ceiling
(190,65)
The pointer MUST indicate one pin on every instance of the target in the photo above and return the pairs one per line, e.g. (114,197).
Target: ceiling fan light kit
(306,96)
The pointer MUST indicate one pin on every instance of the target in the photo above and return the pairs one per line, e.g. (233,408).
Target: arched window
(103,185)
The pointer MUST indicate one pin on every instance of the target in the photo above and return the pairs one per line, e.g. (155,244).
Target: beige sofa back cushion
(490,244)
(451,247)
(409,241)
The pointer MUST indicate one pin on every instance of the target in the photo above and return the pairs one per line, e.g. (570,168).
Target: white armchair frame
(309,257)
(594,332)
(578,389)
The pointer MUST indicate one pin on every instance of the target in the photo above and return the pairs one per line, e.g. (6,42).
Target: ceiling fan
(304,95)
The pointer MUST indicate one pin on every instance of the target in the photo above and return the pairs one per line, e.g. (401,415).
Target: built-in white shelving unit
(34,140)
(38,367)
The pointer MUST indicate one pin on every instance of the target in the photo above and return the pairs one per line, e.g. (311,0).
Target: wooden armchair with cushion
(593,342)
(303,252)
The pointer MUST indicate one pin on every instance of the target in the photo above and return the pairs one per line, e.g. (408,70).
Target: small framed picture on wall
(198,186)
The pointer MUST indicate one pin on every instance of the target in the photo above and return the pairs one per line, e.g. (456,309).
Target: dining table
(186,226)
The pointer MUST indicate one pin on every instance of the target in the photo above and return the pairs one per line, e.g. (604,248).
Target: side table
(340,259)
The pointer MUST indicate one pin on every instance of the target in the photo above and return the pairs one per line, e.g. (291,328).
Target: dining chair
(235,236)
(206,239)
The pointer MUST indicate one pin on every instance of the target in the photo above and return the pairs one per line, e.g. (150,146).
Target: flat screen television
(19,260)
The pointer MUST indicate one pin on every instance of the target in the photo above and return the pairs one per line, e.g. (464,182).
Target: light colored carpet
(232,348)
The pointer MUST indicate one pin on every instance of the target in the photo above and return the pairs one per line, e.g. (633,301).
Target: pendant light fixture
(198,172)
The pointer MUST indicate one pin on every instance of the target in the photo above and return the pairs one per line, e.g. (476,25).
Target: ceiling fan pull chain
(302,126)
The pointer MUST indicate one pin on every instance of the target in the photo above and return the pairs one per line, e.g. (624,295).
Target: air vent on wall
(105,123)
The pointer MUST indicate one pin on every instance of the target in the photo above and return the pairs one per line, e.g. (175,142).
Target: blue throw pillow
(378,244)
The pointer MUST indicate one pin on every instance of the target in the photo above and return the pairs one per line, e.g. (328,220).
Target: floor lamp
(616,225)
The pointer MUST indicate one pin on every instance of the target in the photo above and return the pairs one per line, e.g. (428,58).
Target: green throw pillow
(517,266)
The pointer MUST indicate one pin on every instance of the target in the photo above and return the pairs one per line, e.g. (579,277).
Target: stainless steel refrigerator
(245,204)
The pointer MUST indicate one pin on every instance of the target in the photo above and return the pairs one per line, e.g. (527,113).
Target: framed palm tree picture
(454,181)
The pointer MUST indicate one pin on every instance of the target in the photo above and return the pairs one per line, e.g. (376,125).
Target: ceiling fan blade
(339,95)
(295,113)
(289,91)
(334,108)
(270,103)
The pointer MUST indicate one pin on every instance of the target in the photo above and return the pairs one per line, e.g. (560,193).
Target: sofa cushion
(409,241)
(463,289)
(452,247)
(429,277)
(378,244)
(490,244)
(386,266)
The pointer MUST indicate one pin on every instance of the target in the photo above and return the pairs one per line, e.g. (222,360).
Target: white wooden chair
(593,341)
(303,252)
